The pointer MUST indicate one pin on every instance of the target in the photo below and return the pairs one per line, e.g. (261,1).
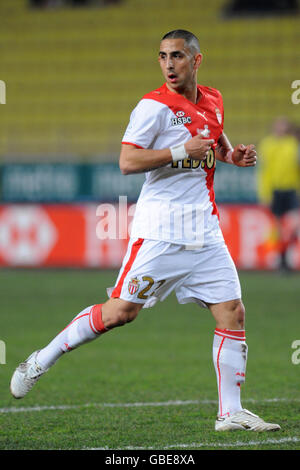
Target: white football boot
(25,376)
(244,421)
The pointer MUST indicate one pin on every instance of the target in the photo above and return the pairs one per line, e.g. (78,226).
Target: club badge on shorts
(133,286)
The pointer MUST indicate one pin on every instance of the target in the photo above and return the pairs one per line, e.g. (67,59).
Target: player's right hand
(197,148)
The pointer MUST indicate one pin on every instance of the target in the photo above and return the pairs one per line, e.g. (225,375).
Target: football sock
(230,358)
(85,327)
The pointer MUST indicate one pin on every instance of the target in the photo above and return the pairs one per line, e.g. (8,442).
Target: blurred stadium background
(73,72)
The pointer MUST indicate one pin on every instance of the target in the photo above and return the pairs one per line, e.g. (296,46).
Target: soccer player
(278,183)
(175,135)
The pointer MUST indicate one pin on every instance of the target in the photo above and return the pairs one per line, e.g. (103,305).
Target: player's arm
(241,155)
(138,160)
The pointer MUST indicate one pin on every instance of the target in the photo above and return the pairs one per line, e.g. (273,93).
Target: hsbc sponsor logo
(27,235)
(180,119)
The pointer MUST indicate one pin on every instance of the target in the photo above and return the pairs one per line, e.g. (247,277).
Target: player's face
(179,66)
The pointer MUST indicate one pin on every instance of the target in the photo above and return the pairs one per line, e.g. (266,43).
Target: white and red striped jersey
(177,200)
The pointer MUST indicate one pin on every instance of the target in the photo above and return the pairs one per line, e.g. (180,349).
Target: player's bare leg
(230,358)
(116,312)
(229,314)
(88,325)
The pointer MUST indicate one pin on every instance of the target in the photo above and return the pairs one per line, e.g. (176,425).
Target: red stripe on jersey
(131,143)
(178,103)
(134,251)
(210,101)
(210,172)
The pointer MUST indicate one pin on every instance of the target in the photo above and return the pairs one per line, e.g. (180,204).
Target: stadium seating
(74,75)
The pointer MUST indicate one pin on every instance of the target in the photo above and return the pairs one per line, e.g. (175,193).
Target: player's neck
(191,92)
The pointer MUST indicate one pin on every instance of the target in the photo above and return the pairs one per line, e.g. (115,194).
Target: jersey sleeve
(144,125)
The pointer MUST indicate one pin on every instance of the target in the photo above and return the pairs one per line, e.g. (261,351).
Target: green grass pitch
(120,391)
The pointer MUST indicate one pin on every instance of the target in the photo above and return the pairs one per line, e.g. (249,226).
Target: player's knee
(121,315)
(125,316)
(239,313)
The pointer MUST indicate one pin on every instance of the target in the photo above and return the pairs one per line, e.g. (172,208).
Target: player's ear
(198,59)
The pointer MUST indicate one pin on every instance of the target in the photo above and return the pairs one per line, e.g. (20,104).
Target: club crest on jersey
(219,115)
(181,118)
(133,286)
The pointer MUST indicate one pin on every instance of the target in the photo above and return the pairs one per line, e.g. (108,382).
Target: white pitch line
(105,405)
(205,444)
(28,409)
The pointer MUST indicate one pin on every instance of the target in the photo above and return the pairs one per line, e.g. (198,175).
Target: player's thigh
(213,278)
(150,271)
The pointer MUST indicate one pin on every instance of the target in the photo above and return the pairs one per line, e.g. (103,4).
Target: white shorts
(152,269)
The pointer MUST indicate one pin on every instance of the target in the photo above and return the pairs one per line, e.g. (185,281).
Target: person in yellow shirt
(279,177)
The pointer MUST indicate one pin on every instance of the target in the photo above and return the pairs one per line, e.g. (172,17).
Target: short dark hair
(190,39)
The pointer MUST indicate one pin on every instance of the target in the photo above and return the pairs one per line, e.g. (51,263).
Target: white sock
(81,330)
(230,358)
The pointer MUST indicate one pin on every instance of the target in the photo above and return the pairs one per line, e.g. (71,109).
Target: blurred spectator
(72,3)
(279,179)
(46,3)
(259,7)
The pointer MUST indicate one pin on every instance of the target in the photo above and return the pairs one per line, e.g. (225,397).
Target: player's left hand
(244,155)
